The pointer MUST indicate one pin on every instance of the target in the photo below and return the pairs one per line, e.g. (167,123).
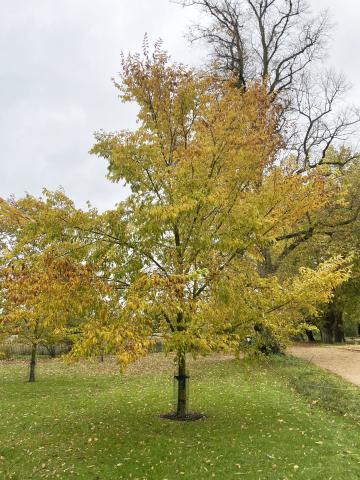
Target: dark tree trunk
(181,409)
(327,333)
(32,363)
(266,341)
(339,334)
(310,336)
(333,328)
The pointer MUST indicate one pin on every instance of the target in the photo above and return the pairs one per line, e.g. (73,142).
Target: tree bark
(32,363)
(333,328)
(310,336)
(327,333)
(266,341)
(339,335)
(181,410)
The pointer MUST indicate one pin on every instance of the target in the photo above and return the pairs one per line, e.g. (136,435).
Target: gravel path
(344,361)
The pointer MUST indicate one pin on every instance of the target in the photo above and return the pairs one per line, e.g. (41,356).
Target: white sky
(57,58)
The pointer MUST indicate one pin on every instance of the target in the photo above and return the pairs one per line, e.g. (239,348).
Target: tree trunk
(339,335)
(327,333)
(181,410)
(333,328)
(266,341)
(32,363)
(310,336)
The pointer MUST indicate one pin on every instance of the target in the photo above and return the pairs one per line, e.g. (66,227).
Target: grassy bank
(87,421)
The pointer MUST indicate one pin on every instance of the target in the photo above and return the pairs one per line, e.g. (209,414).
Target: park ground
(342,360)
(275,419)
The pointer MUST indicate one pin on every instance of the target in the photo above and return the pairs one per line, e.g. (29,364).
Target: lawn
(88,421)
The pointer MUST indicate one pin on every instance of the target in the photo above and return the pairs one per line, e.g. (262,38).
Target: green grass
(87,421)
(321,388)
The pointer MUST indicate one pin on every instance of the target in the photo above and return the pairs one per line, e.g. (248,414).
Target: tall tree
(272,40)
(333,229)
(201,167)
(279,43)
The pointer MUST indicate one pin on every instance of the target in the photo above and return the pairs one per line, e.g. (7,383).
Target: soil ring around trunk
(189,417)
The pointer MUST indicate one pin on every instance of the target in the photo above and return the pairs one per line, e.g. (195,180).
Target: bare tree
(280,43)
(321,121)
(274,40)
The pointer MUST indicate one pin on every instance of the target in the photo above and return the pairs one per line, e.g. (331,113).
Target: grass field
(263,422)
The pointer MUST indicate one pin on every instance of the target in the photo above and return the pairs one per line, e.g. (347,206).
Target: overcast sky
(57,59)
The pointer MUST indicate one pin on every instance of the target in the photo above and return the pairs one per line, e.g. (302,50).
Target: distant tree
(279,43)
(332,230)
(42,287)
(271,40)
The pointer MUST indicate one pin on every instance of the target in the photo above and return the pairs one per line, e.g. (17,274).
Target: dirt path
(345,361)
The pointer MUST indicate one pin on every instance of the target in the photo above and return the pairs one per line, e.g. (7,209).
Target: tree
(201,167)
(332,230)
(43,288)
(271,40)
(279,43)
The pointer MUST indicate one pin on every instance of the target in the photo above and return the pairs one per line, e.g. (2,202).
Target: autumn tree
(331,230)
(279,43)
(45,282)
(201,167)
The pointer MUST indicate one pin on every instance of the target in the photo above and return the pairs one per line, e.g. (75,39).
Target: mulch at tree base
(189,417)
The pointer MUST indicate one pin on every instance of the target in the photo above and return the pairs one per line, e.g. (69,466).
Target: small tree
(41,295)
(43,287)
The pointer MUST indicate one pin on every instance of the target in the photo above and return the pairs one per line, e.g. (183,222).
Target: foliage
(330,230)
(207,197)
(48,286)
(42,294)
